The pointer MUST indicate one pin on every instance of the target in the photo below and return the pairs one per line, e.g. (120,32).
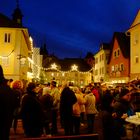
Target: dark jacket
(8,104)
(31,113)
(67,99)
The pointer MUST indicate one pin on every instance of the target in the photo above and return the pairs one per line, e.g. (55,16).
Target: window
(122,67)
(5,61)
(115,54)
(112,69)
(136,36)
(102,56)
(116,68)
(118,52)
(137,59)
(102,70)
(7,38)
(96,60)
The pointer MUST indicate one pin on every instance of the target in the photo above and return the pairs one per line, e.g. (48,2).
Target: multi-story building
(134,33)
(15,46)
(101,59)
(119,60)
(74,70)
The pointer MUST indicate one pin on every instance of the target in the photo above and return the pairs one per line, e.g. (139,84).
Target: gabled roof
(124,44)
(136,21)
(7,22)
(67,63)
(103,46)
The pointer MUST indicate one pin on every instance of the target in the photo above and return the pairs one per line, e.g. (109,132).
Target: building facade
(134,33)
(101,67)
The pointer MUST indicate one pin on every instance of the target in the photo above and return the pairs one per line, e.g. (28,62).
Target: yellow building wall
(12,51)
(135,51)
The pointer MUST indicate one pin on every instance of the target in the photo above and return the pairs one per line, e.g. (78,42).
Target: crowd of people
(40,105)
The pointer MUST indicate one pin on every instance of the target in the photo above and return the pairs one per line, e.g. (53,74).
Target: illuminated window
(112,69)
(5,61)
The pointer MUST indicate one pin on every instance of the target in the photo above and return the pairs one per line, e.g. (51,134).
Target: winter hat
(123,92)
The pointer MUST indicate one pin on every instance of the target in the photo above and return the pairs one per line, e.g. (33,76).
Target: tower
(17,14)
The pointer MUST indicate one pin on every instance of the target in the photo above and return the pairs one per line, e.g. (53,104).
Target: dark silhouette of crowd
(41,106)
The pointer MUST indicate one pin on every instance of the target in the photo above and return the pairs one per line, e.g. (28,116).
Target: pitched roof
(67,63)
(7,22)
(136,20)
(124,44)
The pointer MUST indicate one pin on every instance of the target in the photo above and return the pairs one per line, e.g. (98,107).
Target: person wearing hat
(8,104)
(121,110)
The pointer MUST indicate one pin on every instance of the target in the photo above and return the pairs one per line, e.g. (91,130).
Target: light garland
(54,67)
(8,54)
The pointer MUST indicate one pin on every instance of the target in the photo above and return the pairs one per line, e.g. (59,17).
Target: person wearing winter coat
(31,113)
(67,100)
(91,110)
(8,103)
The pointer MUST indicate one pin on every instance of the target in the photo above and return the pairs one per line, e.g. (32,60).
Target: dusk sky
(71,28)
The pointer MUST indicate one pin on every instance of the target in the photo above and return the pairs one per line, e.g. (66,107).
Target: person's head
(17,84)
(125,94)
(53,83)
(31,87)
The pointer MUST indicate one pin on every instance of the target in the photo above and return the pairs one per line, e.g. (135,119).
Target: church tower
(17,14)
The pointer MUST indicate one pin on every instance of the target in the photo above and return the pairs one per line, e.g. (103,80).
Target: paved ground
(97,126)
(20,132)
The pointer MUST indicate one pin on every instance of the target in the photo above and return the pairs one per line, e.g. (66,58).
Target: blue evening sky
(71,28)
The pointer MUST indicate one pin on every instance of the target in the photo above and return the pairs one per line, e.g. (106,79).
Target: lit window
(5,61)
(113,68)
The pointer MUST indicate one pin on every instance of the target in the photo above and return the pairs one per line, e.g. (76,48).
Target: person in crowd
(31,112)
(55,93)
(67,100)
(121,110)
(77,111)
(17,86)
(9,82)
(47,102)
(96,93)
(106,116)
(91,110)
(8,103)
